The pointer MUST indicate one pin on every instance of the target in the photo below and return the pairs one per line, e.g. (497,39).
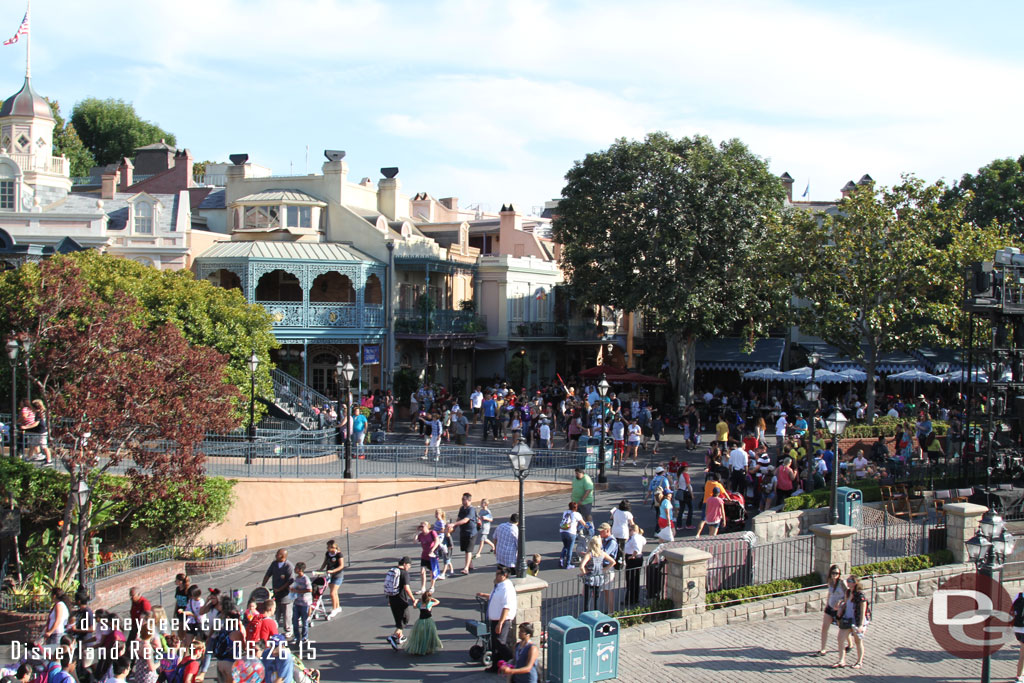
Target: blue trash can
(604,646)
(849,504)
(568,650)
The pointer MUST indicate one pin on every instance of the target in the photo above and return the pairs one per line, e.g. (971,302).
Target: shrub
(905,564)
(656,611)
(736,596)
(819,498)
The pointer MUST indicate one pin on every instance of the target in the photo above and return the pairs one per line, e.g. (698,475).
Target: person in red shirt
(715,513)
(750,442)
(193,662)
(140,610)
(674,466)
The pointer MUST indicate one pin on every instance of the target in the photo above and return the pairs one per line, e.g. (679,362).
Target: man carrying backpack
(396,588)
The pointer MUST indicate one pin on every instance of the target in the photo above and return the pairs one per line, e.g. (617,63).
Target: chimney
(335,171)
(848,188)
(183,160)
(388,193)
(787,182)
(510,230)
(450,203)
(866,180)
(125,169)
(108,184)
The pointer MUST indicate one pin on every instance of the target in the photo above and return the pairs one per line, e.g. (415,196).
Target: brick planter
(198,567)
(21,626)
(865,443)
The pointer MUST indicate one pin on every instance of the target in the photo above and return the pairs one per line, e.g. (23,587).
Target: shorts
(618,445)
(465,542)
(399,609)
(358,437)
(460,439)
(586,509)
(426,562)
(36,439)
(337,579)
(608,578)
(634,444)
(713,525)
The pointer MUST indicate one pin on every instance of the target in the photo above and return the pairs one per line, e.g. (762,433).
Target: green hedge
(639,615)
(819,498)
(905,564)
(736,596)
(887,426)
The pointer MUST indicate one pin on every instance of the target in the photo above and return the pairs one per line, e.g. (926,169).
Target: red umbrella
(598,370)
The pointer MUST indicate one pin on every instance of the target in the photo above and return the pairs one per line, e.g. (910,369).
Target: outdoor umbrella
(598,370)
(804,375)
(767,374)
(915,376)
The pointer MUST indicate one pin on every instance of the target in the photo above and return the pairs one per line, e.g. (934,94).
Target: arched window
(143,218)
(278,285)
(332,287)
(225,279)
(373,293)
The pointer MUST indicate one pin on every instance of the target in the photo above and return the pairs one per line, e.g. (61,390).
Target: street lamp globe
(521,456)
(977,547)
(253,362)
(812,391)
(26,345)
(348,371)
(836,422)
(813,359)
(82,493)
(603,386)
(12,349)
(991,524)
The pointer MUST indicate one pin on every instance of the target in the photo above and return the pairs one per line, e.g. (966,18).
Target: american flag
(22,31)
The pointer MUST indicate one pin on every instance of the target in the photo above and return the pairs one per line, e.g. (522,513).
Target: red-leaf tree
(120,396)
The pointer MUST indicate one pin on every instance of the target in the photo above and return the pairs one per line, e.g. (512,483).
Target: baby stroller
(481,630)
(579,546)
(318,610)
(735,513)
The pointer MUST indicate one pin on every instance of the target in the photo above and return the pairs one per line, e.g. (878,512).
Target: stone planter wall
(21,626)
(770,526)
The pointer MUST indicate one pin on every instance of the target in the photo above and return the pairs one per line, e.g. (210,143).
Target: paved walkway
(899,647)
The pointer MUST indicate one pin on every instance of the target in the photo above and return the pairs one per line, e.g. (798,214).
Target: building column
(961,522)
(833,545)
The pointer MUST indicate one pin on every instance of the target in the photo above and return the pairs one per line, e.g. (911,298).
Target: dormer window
(262,218)
(300,217)
(143,218)
(8,186)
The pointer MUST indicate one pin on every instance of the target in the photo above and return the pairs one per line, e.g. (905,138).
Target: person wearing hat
(610,548)
(780,433)
(660,480)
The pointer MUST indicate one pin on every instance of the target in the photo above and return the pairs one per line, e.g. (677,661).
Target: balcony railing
(30,162)
(537,329)
(413,321)
(335,315)
(590,331)
(211,179)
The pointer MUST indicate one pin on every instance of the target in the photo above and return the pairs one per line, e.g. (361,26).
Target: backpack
(44,672)
(221,647)
(391,581)
(253,627)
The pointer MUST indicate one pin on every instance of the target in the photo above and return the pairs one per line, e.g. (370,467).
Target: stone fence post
(961,523)
(686,577)
(833,544)
(529,595)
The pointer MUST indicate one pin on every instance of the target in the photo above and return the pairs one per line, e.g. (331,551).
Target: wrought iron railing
(537,329)
(415,321)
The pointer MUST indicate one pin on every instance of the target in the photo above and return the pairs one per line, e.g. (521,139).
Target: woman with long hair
(853,619)
(835,594)
(592,571)
(523,667)
(57,621)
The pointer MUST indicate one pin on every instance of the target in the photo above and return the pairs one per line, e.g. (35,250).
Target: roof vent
(334,154)
(389,171)
(238,159)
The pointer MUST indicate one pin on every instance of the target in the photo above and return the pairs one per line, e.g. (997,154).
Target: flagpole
(28,42)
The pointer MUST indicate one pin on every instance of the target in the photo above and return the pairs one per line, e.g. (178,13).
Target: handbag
(665,534)
(846,624)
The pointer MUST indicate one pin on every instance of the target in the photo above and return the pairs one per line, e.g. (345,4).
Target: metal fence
(627,589)
(889,541)
(164,553)
(314,454)
(786,559)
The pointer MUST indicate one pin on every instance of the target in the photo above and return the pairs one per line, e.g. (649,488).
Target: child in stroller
(735,513)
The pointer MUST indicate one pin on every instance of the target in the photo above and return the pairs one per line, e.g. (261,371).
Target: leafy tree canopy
(994,194)
(683,231)
(872,274)
(111,129)
(67,142)
(207,316)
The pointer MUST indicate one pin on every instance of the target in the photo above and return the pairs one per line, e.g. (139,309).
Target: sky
(493,102)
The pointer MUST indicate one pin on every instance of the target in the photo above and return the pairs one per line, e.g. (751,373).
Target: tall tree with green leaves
(885,272)
(994,193)
(207,316)
(680,230)
(111,129)
(67,142)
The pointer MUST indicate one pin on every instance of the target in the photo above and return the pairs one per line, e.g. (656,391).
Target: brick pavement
(899,647)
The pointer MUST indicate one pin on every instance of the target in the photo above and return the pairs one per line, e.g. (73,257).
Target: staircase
(297,399)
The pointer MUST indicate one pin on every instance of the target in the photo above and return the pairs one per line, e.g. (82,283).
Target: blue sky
(493,101)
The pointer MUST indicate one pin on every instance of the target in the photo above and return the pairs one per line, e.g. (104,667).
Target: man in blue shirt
(800,425)
(490,410)
(358,428)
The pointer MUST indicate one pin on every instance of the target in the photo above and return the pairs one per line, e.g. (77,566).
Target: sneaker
(690,526)
(402,641)
(392,642)
(333,613)
(423,457)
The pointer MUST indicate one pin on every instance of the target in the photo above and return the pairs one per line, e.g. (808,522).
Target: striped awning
(726,353)
(834,360)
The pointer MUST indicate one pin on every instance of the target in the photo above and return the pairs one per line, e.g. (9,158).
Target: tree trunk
(869,387)
(57,568)
(681,352)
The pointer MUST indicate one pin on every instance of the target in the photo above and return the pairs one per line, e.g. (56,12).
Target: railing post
(961,522)
(833,544)
(686,577)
